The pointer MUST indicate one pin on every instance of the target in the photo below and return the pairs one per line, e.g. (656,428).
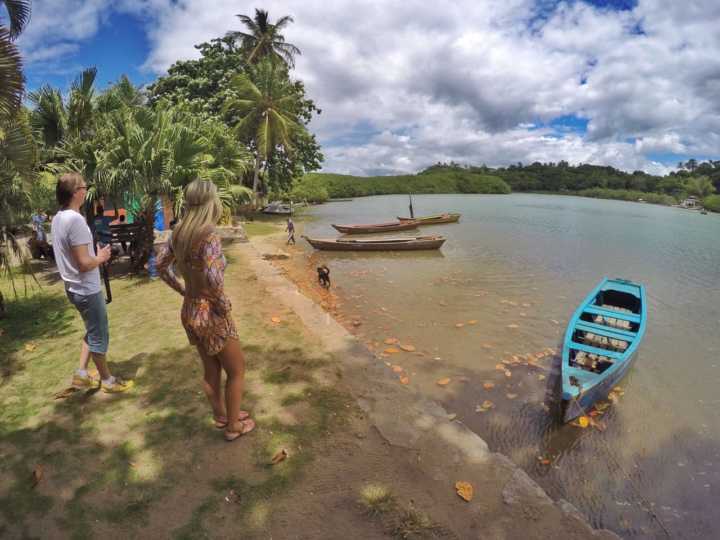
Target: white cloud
(406,83)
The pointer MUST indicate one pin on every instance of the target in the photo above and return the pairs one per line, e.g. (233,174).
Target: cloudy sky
(406,83)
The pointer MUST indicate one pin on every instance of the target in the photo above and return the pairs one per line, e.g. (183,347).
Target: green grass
(259,228)
(115,461)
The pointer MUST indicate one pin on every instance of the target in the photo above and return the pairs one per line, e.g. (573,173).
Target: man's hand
(103,254)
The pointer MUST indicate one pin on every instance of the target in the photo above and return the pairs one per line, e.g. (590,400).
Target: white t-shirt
(69,229)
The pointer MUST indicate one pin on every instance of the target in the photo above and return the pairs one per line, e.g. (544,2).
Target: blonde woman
(196,252)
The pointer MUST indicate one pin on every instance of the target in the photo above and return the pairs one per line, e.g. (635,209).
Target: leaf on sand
(597,424)
(69,391)
(404,380)
(30,347)
(500,367)
(459,325)
(279,456)
(443,382)
(513,326)
(464,490)
(508,373)
(511,396)
(391,341)
(472,321)
(486,406)
(397,369)
(488,385)
(391,350)
(276,320)
(408,348)
(36,476)
(541,377)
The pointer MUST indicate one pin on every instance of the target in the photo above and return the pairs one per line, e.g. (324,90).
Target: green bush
(309,188)
(443,181)
(627,195)
(712,203)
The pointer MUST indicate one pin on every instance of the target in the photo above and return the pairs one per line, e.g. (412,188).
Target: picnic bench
(129,236)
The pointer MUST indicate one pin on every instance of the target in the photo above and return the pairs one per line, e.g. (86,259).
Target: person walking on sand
(290,229)
(78,264)
(195,250)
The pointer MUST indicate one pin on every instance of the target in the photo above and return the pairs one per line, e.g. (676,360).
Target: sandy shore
(439,450)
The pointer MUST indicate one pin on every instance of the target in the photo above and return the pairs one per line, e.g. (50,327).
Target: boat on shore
(433,220)
(376,227)
(401,243)
(278,208)
(601,343)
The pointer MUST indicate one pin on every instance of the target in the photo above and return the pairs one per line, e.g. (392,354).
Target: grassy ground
(150,461)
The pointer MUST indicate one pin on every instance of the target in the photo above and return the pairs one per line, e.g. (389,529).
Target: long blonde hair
(203,210)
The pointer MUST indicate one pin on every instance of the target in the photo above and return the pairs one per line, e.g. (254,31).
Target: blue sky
(406,83)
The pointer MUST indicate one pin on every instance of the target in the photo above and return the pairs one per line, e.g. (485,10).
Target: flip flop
(222,424)
(247,426)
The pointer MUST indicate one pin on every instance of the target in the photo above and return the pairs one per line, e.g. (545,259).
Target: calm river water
(527,261)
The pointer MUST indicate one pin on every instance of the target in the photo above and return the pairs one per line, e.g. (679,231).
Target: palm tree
(12,82)
(56,120)
(700,186)
(265,111)
(264,40)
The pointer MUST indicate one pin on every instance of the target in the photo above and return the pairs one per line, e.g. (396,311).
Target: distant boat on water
(402,243)
(376,227)
(433,220)
(601,342)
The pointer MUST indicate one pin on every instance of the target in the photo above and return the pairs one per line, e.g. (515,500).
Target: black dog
(324,276)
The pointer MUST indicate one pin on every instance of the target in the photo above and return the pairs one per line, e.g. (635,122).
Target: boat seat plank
(605,331)
(609,313)
(596,350)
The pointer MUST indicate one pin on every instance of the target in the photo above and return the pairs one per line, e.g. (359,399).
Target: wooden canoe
(401,243)
(432,220)
(376,227)
(601,342)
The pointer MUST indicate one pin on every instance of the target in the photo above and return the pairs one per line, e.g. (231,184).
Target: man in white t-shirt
(78,265)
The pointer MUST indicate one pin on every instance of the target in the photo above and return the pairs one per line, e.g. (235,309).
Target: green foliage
(712,203)
(699,186)
(436,181)
(263,39)
(310,188)
(626,195)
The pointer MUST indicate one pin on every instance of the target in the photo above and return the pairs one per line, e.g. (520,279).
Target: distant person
(290,229)
(78,264)
(38,220)
(196,252)
(102,225)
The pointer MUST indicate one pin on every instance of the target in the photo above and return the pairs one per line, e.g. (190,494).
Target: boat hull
(373,229)
(433,220)
(580,406)
(377,245)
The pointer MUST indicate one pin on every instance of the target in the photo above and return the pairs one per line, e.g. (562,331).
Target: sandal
(247,426)
(221,422)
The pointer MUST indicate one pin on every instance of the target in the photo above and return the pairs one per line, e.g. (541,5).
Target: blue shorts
(94,315)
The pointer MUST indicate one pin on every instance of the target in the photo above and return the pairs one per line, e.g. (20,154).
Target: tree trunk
(149,238)
(256,181)
(2,306)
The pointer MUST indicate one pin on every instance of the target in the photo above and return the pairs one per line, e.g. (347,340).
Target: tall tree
(12,82)
(264,109)
(700,186)
(263,39)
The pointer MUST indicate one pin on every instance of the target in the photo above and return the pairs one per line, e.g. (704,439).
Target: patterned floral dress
(206,314)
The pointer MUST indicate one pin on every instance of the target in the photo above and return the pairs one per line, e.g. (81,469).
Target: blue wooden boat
(601,342)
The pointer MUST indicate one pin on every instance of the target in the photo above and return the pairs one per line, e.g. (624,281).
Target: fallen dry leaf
(508,373)
(513,326)
(541,377)
(459,325)
(391,341)
(511,396)
(488,385)
(472,321)
(279,456)
(391,350)
(443,382)
(67,392)
(404,380)
(397,369)
(36,476)
(487,346)
(500,367)
(30,347)
(275,319)
(464,490)
(408,348)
